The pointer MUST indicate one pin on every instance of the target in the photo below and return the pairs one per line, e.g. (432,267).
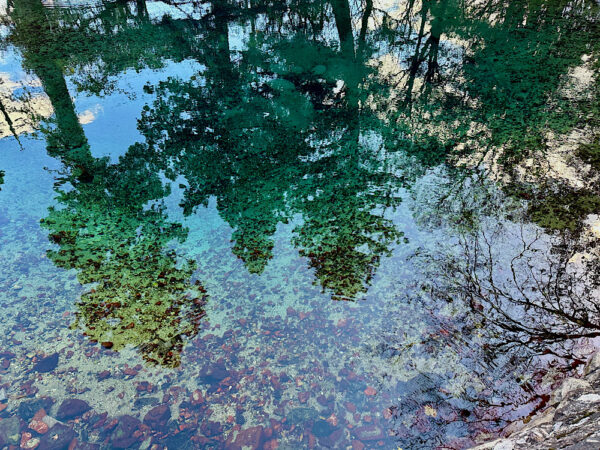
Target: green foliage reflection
(110,224)
(301,121)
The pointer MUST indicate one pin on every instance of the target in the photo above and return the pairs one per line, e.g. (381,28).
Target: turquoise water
(294,225)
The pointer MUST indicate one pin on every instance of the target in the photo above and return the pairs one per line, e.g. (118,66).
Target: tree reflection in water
(330,115)
(109,223)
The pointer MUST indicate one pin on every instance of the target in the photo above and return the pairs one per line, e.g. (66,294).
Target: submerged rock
(158,417)
(46,364)
(180,441)
(370,391)
(9,431)
(145,401)
(369,433)
(28,441)
(239,417)
(103,375)
(86,446)
(303,396)
(214,375)
(250,438)
(29,408)
(37,424)
(322,428)
(211,428)
(58,438)
(71,408)
(197,398)
(123,436)
(299,415)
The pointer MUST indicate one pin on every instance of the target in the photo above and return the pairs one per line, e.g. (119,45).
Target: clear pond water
(309,224)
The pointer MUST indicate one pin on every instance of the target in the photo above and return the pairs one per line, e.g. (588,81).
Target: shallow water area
(307,225)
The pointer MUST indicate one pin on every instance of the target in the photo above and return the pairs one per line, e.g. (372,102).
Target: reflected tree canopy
(271,132)
(110,224)
(141,293)
(324,114)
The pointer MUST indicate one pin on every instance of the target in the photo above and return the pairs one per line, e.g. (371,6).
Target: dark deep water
(307,224)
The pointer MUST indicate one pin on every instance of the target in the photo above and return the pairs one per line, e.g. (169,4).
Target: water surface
(294,224)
